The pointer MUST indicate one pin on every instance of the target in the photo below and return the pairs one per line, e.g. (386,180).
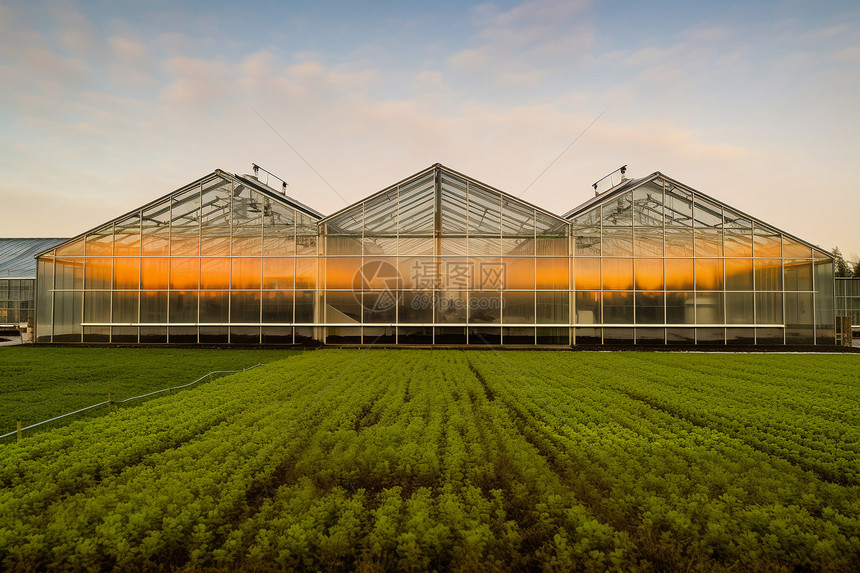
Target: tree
(856,272)
(841,265)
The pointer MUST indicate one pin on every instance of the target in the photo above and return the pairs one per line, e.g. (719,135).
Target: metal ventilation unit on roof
(269,175)
(607,182)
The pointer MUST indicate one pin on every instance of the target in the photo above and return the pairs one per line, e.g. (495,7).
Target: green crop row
(452,460)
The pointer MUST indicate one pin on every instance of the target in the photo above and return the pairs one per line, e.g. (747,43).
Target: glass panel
(125,307)
(709,274)
(587,274)
(618,274)
(416,210)
(124,334)
(126,273)
(825,327)
(798,318)
(214,307)
(451,306)
(710,336)
(306,235)
(485,308)
(154,273)
(127,237)
(678,208)
(768,307)
(277,335)
(798,274)
(349,222)
(245,306)
(156,229)
(650,336)
(706,213)
(484,212)
(44,299)
(650,308)
(100,243)
(519,307)
(215,273)
(415,335)
(587,308)
(453,205)
(342,245)
(520,272)
(588,336)
(380,215)
(415,307)
(740,336)
(306,273)
(279,273)
(278,307)
(379,246)
(456,273)
(153,335)
(247,221)
(770,336)
(184,273)
(279,229)
(623,336)
(246,272)
(553,336)
(551,308)
(70,273)
(551,274)
(183,307)
(450,335)
(74,249)
(153,307)
(680,336)
(212,334)
(648,205)
(680,308)
(68,309)
(380,306)
(185,225)
(484,246)
(617,308)
(794,249)
(488,273)
(416,245)
(519,335)
(586,240)
(709,242)
(679,242)
(379,335)
(182,334)
(617,242)
(552,236)
(739,274)
(98,273)
(485,336)
(649,274)
(97,306)
(767,242)
(709,308)
(618,212)
(342,307)
(342,272)
(768,274)
(739,308)
(679,274)
(648,241)
(215,217)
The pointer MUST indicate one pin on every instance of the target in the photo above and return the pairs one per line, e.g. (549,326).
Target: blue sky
(106,105)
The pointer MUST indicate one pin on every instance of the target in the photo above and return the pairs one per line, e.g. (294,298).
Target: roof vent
(607,182)
(269,175)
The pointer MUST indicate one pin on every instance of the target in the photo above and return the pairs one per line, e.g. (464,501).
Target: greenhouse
(435,259)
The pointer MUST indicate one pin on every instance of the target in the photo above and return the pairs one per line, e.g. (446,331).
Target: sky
(105,106)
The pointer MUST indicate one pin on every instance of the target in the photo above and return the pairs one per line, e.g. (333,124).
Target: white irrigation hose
(126,400)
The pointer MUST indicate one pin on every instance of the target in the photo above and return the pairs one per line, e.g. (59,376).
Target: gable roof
(249,181)
(442,168)
(631,184)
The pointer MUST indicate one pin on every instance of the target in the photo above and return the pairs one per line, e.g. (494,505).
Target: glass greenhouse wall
(848,298)
(438,258)
(215,262)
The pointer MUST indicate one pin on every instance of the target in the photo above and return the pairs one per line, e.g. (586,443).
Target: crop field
(37,383)
(456,460)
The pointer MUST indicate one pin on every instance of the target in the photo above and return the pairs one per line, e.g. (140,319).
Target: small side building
(18,279)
